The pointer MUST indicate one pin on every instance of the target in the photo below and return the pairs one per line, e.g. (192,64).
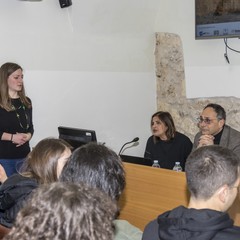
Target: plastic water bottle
(155,164)
(177,167)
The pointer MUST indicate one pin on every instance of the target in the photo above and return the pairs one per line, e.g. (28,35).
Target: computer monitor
(76,137)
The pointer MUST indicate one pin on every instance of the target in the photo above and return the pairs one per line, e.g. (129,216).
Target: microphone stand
(134,140)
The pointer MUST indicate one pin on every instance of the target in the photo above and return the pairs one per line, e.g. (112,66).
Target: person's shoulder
(150,139)
(29,99)
(151,230)
(14,190)
(18,180)
(12,180)
(231,130)
(16,177)
(231,233)
(183,136)
(126,231)
(232,136)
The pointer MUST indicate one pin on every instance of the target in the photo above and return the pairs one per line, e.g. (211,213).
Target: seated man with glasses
(213,129)
(213,176)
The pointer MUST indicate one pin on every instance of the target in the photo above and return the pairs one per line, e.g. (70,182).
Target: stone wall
(171,91)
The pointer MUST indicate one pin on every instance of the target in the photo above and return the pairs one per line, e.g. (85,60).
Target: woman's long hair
(41,163)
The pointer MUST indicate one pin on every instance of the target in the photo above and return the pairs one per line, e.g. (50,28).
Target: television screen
(217,19)
(76,137)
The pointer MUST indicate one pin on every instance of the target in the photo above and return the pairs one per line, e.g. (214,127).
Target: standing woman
(16,127)
(166,144)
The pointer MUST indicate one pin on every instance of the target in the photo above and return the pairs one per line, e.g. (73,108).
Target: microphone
(134,140)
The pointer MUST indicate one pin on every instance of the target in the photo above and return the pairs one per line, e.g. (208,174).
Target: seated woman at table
(166,144)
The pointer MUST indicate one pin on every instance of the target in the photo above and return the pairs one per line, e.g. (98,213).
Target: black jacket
(168,152)
(191,224)
(13,194)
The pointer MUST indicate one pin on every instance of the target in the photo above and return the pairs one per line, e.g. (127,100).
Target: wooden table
(152,191)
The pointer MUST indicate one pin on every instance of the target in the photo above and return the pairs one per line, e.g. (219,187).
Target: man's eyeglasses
(237,187)
(205,120)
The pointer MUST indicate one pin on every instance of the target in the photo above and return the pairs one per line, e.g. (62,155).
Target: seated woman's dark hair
(97,166)
(167,119)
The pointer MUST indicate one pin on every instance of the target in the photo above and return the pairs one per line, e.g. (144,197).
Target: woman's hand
(21,138)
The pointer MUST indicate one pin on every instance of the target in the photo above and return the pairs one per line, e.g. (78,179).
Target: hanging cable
(234,50)
(226,53)
(226,50)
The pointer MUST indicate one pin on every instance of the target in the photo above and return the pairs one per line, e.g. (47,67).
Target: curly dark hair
(65,211)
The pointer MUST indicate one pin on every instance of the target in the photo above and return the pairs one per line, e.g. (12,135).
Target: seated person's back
(65,211)
(99,167)
(213,180)
(43,165)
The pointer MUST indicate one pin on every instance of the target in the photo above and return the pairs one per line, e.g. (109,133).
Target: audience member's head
(97,166)
(213,171)
(65,211)
(45,162)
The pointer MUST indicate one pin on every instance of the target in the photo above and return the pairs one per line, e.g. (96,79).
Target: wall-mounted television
(76,137)
(217,19)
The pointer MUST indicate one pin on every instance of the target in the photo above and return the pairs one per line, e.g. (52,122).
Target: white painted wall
(116,105)
(91,65)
